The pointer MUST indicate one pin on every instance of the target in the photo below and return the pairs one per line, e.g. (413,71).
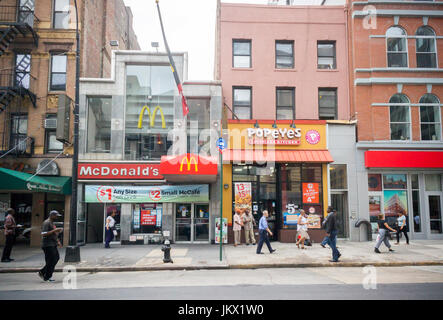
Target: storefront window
(147,218)
(394,181)
(199,112)
(291,196)
(395,197)
(416,202)
(99,125)
(374,211)
(150,92)
(337,174)
(433,182)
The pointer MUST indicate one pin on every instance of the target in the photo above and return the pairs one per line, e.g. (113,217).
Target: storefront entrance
(434,206)
(339,203)
(192,222)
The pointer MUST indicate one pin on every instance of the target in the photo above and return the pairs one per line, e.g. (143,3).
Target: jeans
(325,241)
(51,258)
(383,238)
(109,236)
(263,239)
(10,240)
(404,232)
(332,242)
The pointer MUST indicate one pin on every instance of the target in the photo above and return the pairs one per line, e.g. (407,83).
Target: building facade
(140,159)
(396,74)
(284,71)
(37,87)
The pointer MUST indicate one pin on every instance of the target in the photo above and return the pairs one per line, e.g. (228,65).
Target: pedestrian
(263,231)
(237,228)
(249,224)
(110,227)
(402,227)
(302,229)
(325,239)
(10,227)
(332,230)
(50,242)
(383,229)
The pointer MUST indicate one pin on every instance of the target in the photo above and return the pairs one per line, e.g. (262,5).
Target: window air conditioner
(51,123)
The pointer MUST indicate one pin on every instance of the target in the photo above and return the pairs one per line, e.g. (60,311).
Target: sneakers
(377,251)
(273,250)
(40,274)
(390,250)
(50,280)
(322,245)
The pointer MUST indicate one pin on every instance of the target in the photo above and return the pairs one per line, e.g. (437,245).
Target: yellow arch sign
(189,163)
(151,116)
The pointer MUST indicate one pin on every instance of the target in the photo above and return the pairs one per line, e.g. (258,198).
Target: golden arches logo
(189,163)
(151,116)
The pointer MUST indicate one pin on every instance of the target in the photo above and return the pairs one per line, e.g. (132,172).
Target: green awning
(21,181)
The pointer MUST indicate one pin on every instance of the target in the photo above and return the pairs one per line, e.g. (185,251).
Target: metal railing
(15,14)
(19,145)
(15,78)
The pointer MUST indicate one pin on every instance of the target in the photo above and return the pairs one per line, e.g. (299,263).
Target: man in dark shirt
(332,230)
(10,235)
(49,246)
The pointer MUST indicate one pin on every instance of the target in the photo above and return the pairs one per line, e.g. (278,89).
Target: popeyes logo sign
(280,136)
(119,171)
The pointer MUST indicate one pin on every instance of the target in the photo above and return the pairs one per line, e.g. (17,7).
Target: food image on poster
(243,197)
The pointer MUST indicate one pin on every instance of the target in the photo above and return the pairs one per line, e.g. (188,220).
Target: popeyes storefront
(278,166)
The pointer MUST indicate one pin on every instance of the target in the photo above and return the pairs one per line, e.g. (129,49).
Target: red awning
(189,167)
(404,159)
(285,156)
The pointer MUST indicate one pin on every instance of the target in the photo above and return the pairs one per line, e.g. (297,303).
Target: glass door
(339,203)
(201,222)
(183,222)
(434,206)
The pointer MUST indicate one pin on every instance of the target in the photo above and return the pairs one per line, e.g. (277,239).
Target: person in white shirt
(237,228)
(402,227)
(302,229)
(110,227)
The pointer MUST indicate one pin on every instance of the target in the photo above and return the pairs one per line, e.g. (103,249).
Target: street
(417,282)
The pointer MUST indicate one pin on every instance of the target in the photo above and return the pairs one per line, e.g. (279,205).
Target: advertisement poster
(314,221)
(394,181)
(374,182)
(148,217)
(311,193)
(224,228)
(395,202)
(146,194)
(290,216)
(243,197)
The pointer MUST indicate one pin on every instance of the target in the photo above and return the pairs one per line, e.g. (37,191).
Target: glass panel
(435,214)
(425,31)
(53,143)
(285,62)
(326,49)
(426,60)
(425,45)
(59,63)
(337,174)
(242,48)
(183,222)
(291,193)
(399,114)
(285,49)
(396,44)
(400,132)
(58,81)
(374,182)
(399,98)
(338,202)
(394,181)
(397,60)
(243,112)
(326,63)
(429,114)
(242,97)
(416,209)
(61,5)
(201,222)
(61,20)
(414,181)
(395,202)
(311,173)
(198,120)
(433,182)
(395,31)
(147,218)
(430,131)
(285,97)
(327,100)
(285,113)
(374,211)
(429,98)
(20,124)
(242,62)
(99,125)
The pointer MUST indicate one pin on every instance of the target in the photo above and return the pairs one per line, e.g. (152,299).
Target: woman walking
(110,223)
(302,229)
(402,227)
(383,229)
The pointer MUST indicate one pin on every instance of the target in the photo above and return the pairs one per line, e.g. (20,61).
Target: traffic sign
(221,144)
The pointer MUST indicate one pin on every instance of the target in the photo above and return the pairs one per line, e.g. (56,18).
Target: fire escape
(16,27)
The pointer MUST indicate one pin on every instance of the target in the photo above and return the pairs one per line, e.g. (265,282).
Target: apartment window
(241,53)
(430,123)
(284,54)
(61,14)
(326,56)
(19,132)
(242,102)
(52,144)
(22,70)
(285,103)
(327,103)
(400,122)
(396,44)
(426,48)
(58,72)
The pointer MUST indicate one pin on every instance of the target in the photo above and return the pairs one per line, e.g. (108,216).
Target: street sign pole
(221,145)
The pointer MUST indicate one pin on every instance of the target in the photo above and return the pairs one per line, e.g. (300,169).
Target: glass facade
(99,124)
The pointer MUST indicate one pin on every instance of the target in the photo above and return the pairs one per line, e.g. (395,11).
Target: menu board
(243,197)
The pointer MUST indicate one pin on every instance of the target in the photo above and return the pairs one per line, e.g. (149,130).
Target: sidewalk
(192,257)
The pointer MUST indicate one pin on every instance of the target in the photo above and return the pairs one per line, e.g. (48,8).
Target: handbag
(115,232)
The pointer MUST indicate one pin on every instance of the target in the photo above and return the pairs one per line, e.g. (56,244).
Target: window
(416,202)
(284,54)
(26,12)
(52,144)
(430,118)
(22,70)
(198,120)
(242,97)
(399,117)
(285,103)
(326,55)
(58,72)
(338,176)
(99,125)
(19,132)
(327,103)
(241,53)
(426,48)
(396,45)
(61,14)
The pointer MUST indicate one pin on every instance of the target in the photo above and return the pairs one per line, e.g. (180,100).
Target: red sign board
(311,193)
(188,164)
(119,171)
(147,219)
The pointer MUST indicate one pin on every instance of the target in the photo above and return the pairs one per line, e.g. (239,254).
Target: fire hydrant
(167,252)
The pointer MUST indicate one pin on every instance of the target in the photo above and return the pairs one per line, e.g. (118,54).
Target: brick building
(37,88)
(396,65)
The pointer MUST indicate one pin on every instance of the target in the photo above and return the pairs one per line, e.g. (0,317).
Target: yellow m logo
(151,116)
(189,163)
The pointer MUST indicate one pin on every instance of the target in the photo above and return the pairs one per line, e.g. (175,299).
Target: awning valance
(285,156)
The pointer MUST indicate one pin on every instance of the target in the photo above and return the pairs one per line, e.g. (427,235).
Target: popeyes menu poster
(243,198)
(311,193)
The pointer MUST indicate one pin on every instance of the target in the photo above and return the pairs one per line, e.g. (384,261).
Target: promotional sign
(146,194)
(225,230)
(115,171)
(311,193)
(395,202)
(147,217)
(243,197)
(314,221)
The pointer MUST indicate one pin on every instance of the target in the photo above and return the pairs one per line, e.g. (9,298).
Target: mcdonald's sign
(179,168)
(189,162)
(151,116)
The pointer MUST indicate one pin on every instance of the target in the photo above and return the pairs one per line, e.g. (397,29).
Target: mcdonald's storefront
(279,166)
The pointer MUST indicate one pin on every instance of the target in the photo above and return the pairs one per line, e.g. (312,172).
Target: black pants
(10,240)
(405,232)
(263,238)
(51,258)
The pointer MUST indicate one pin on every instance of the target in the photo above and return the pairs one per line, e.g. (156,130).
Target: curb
(233,267)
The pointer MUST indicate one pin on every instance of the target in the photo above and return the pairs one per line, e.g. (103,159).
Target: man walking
(10,227)
(249,223)
(263,230)
(49,246)
(332,230)
(325,240)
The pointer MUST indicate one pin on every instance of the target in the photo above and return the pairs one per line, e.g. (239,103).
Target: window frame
(435,53)
(12,134)
(27,73)
(292,89)
(55,12)
(393,104)
(250,101)
(405,38)
(334,43)
(334,89)
(291,42)
(437,104)
(51,73)
(242,55)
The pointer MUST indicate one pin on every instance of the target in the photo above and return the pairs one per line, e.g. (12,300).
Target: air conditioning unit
(51,123)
